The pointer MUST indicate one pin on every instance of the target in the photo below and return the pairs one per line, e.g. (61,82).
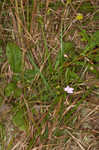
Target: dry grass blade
(91,112)
(16,145)
(76,140)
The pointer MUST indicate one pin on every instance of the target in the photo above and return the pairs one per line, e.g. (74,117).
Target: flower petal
(69,89)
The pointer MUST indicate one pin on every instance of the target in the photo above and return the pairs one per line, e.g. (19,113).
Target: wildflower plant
(79,16)
(69,90)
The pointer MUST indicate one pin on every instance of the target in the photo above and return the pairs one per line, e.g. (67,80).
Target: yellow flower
(79,16)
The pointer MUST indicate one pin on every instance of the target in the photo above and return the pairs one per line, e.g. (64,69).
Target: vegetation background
(45,46)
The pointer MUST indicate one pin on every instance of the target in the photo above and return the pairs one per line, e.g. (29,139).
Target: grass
(46,46)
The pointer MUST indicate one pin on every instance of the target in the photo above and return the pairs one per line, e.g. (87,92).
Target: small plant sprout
(69,90)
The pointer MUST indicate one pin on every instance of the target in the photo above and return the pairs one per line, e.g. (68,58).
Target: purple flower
(69,90)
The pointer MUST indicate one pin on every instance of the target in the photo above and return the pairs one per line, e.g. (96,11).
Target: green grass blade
(47,54)
(38,70)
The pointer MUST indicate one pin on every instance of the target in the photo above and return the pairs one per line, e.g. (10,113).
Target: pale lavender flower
(69,90)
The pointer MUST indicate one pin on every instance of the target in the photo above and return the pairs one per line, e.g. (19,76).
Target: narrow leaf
(14,56)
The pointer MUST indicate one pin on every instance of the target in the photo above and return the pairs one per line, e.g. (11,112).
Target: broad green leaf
(29,74)
(17,92)
(86,7)
(84,35)
(14,56)
(95,38)
(19,121)
(16,77)
(68,46)
(9,89)
(93,42)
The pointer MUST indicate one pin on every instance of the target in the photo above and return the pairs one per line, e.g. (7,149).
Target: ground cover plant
(49,75)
